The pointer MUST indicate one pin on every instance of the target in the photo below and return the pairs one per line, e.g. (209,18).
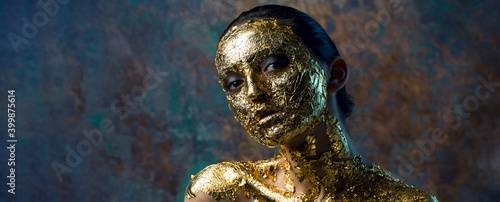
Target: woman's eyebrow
(254,59)
(272,58)
(228,68)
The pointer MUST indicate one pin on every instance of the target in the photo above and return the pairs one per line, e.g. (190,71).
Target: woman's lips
(268,117)
(264,114)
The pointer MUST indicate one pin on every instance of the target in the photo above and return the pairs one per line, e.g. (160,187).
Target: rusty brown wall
(424,75)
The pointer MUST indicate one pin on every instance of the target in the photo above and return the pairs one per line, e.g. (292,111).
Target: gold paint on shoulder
(219,181)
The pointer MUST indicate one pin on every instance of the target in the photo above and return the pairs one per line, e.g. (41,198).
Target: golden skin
(292,92)
(277,91)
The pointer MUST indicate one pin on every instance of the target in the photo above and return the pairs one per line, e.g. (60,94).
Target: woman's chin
(271,138)
(276,134)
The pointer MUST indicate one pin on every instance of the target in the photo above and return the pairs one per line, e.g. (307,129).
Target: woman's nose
(256,91)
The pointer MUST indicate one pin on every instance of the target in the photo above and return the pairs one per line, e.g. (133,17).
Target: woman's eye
(233,83)
(271,68)
(274,63)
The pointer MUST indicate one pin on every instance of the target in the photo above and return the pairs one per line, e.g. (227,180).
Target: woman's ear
(338,71)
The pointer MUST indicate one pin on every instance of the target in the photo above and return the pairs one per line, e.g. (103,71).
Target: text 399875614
(11,140)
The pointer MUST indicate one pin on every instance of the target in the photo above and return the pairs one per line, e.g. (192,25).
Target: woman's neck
(317,156)
(327,138)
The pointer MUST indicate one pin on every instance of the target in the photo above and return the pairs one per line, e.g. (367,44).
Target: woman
(279,69)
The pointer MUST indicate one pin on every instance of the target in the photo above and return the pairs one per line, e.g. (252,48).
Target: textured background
(412,74)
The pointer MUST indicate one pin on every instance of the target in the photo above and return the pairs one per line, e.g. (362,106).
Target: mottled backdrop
(121,98)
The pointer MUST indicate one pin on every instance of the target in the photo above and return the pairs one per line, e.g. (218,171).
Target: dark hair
(311,33)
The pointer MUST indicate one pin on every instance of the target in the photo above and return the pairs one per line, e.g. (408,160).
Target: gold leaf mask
(274,87)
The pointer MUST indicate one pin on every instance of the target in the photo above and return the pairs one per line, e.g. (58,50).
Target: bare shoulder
(413,194)
(399,191)
(218,181)
(390,188)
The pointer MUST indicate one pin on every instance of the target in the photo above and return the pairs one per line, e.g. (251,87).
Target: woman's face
(274,88)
